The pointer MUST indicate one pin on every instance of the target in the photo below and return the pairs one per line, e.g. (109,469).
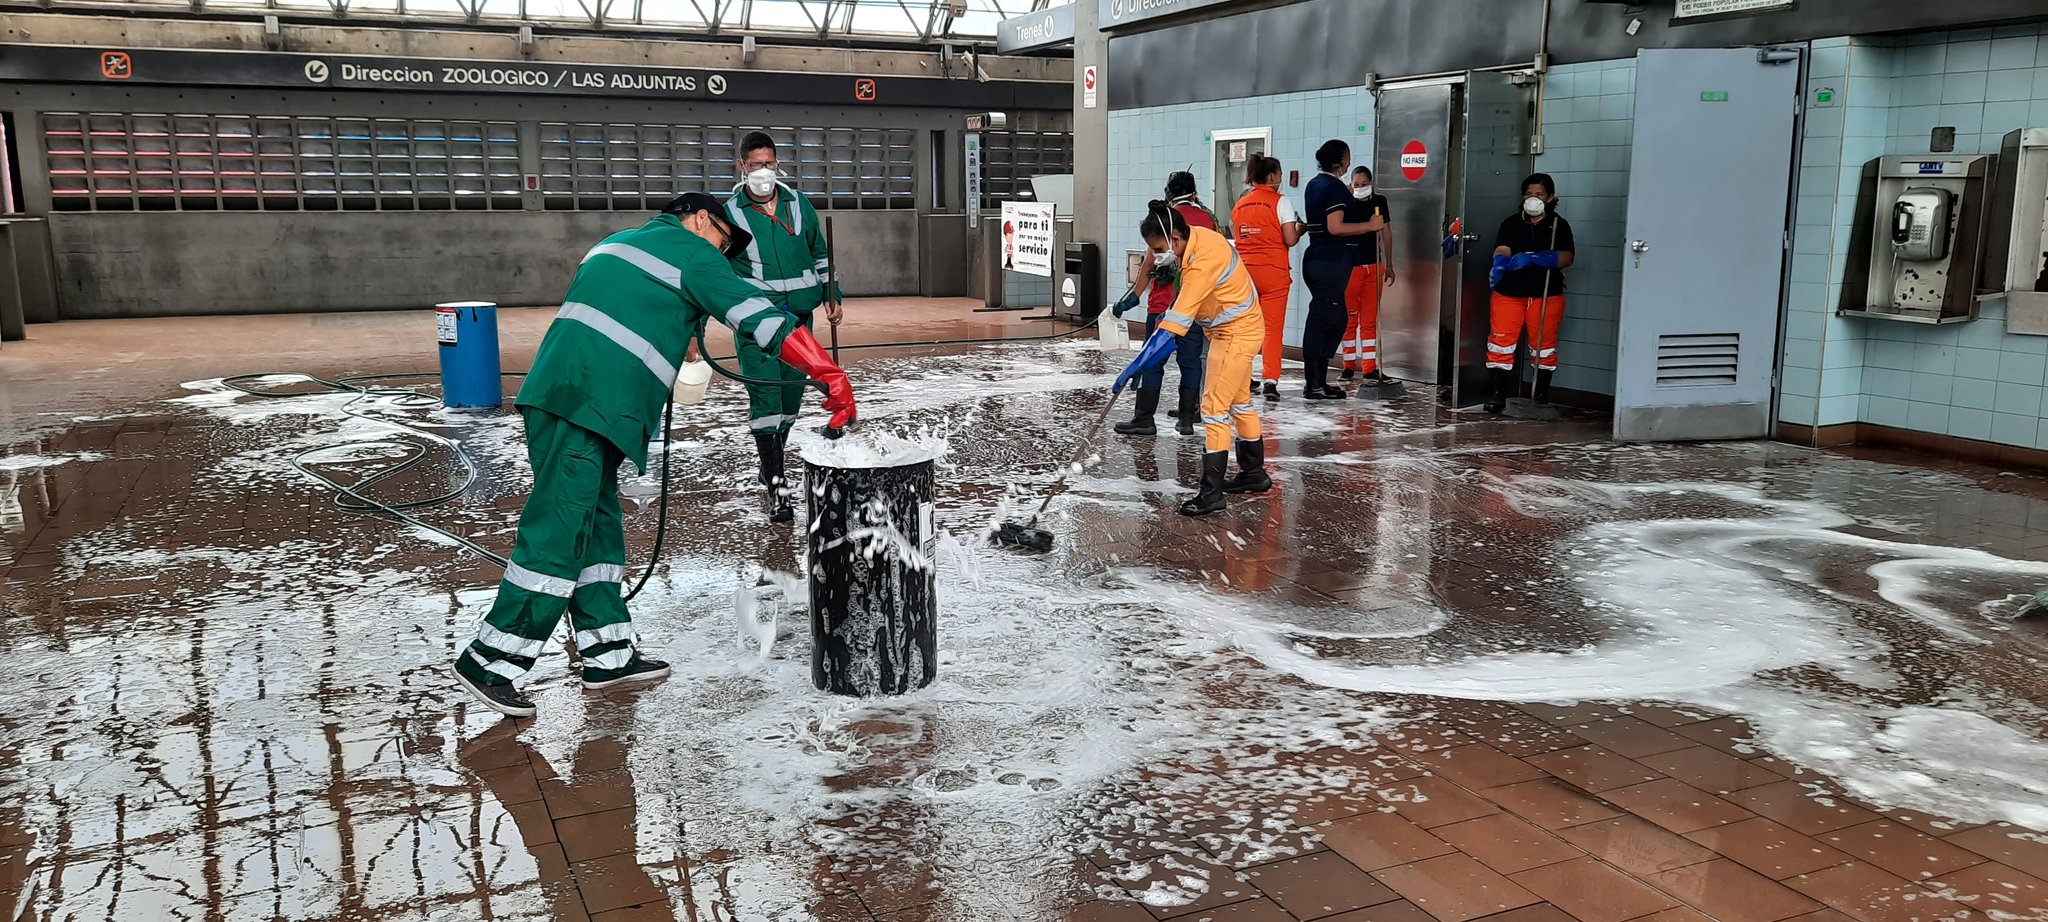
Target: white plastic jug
(1115,333)
(692,380)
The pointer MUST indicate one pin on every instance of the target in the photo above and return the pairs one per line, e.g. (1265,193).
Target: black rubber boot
(1272,390)
(1251,468)
(1210,499)
(1543,384)
(1140,422)
(502,698)
(1503,382)
(771,446)
(1190,411)
(1317,378)
(1348,374)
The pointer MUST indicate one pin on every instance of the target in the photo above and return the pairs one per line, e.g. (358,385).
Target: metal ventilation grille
(1697,359)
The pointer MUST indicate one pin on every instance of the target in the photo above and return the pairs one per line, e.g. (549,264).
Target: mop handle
(831,278)
(1086,440)
(1542,315)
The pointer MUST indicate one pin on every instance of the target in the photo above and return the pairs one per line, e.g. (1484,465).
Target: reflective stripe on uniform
(497,667)
(1176,317)
(538,582)
(647,262)
(808,280)
(614,659)
(508,643)
(1240,409)
(1500,349)
(1545,353)
(1231,270)
(745,309)
(601,573)
(621,336)
(776,421)
(610,633)
(765,333)
(1222,419)
(1235,312)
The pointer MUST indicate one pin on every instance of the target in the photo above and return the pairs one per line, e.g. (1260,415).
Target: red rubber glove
(801,350)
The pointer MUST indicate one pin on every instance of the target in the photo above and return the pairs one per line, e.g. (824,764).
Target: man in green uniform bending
(593,399)
(787,262)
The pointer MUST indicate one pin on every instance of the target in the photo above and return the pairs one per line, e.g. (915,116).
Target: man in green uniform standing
(787,262)
(593,399)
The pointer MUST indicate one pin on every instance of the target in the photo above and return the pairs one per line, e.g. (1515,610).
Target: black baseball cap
(690,203)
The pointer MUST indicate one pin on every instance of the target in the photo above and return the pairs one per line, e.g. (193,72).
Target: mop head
(1011,534)
(1391,390)
(1524,408)
(2035,607)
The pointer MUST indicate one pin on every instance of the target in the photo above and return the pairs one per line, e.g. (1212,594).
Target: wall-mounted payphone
(1921,238)
(2016,265)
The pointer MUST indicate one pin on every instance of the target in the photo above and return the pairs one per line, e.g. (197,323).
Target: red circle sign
(1414,160)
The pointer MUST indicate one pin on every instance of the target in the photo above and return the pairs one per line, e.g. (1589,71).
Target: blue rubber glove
(1158,347)
(1501,264)
(1130,300)
(1544,259)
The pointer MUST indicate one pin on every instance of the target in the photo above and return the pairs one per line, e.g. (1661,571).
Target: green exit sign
(1713,96)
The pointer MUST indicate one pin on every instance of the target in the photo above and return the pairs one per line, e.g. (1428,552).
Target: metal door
(1415,123)
(1493,160)
(1704,261)
(1230,150)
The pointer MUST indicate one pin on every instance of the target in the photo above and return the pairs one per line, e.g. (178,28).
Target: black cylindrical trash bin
(874,600)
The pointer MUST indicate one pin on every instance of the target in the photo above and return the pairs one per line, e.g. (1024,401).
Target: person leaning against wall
(1530,254)
(1326,265)
(1267,227)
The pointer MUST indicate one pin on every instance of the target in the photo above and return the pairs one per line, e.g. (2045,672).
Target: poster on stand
(1027,238)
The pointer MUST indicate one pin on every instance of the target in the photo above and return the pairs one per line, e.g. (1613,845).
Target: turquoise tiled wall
(1970,380)
(1147,144)
(1589,116)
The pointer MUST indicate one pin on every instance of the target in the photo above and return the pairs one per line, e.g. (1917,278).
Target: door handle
(1639,247)
(1469,238)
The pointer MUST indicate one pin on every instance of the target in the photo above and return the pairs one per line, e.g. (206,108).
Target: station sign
(1032,31)
(1124,12)
(131,66)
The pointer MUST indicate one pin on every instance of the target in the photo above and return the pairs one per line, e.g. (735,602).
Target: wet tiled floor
(1453,668)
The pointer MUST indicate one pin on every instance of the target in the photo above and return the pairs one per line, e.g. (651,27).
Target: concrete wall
(1970,380)
(1147,144)
(138,265)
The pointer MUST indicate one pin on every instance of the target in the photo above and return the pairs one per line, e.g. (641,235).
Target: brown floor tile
(1506,843)
(531,818)
(1728,734)
(587,793)
(1479,766)
(663,912)
(1630,736)
(1422,736)
(1381,840)
(1248,911)
(1822,915)
(1539,912)
(1550,804)
(1593,769)
(1792,804)
(1712,770)
(1666,717)
(597,835)
(1768,848)
(1676,806)
(1396,911)
(1572,714)
(1992,886)
(1242,841)
(1681,914)
(616,883)
(1320,885)
(1902,850)
(1592,891)
(1999,842)
(1636,845)
(1430,801)
(1524,736)
(1939,826)
(511,785)
(1221,886)
(1108,911)
(1869,894)
(1455,888)
(1730,892)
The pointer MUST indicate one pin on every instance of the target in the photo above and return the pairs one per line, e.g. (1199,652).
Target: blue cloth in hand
(1543,259)
(1501,264)
(1158,347)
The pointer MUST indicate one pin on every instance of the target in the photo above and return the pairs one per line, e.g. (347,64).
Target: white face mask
(1533,206)
(1163,258)
(1362,192)
(761,183)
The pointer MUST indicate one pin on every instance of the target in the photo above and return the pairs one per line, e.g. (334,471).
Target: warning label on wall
(1414,161)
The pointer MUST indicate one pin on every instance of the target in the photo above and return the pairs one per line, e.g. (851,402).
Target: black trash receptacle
(874,598)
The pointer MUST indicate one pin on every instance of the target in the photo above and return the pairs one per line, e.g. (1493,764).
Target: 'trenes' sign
(1414,161)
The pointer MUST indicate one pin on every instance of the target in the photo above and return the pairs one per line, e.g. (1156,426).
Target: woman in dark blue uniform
(1326,265)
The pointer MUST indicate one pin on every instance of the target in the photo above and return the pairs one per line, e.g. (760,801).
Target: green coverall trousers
(771,409)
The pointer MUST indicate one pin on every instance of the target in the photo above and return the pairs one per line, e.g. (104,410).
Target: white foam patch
(869,450)
(18,463)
